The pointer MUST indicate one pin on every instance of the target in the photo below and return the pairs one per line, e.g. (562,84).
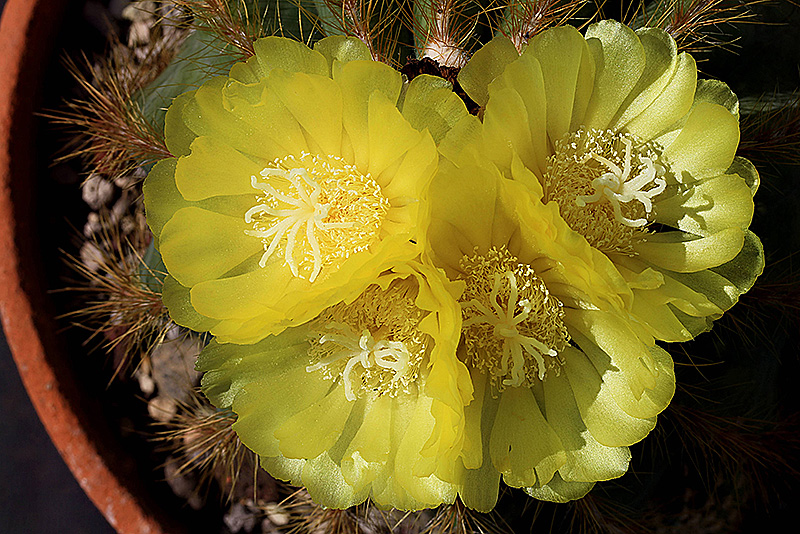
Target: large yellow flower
(639,157)
(296,181)
(365,400)
(563,383)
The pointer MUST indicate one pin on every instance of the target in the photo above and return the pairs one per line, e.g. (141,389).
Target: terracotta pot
(74,422)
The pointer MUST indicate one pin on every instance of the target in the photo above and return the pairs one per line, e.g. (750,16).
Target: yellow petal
(560,491)
(587,460)
(568,73)
(523,445)
(177,135)
(619,58)
(390,134)
(177,299)
(342,49)
(709,206)
(215,169)
(640,378)
(669,106)
(717,92)
(199,245)
(706,145)
(309,433)
(288,55)
(358,80)
(275,131)
(205,114)
(684,253)
(515,112)
(430,102)
(484,66)
(316,104)
(161,197)
(324,481)
(480,481)
(724,284)
(660,61)
(746,171)
(609,424)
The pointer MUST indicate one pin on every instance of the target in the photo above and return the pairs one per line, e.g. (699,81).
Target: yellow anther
(604,193)
(373,344)
(513,327)
(320,209)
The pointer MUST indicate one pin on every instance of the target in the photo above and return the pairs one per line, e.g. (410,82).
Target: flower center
(513,327)
(604,183)
(318,209)
(373,344)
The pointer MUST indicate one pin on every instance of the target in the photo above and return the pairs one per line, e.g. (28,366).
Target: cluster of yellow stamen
(513,327)
(372,345)
(605,183)
(320,209)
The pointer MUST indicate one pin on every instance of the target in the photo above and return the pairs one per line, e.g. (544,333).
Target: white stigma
(505,322)
(295,214)
(618,186)
(393,356)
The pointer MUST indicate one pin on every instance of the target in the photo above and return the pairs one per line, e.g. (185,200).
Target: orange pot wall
(27,34)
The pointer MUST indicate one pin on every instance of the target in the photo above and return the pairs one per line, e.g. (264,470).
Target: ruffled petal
(340,49)
(568,73)
(668,107)
(706,144)
(709,206)
(560,491)
(619,58)
(523,445)
(686,253)
(661,55)
(429,102)
(586,459)
(199,245)
(177,135)
(484,66)
(639,377)
(286,54)
(214,169)
(609,424)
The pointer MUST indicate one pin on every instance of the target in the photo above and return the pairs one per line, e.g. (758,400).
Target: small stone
(97,191)
(120,208)
(162,408)
(92,225)
(127,225)
(276,514)
(239,518)
(91,256)
(144,377)
(173,366)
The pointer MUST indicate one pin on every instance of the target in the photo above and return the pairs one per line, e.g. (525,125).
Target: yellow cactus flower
(563,383)
(296,181)
(366,400)
(639,157)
